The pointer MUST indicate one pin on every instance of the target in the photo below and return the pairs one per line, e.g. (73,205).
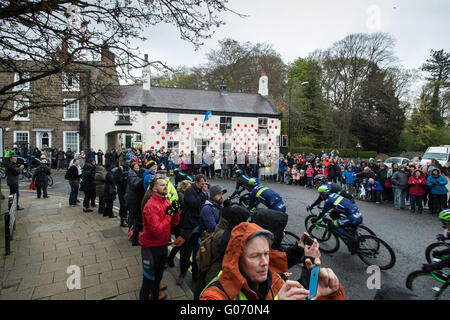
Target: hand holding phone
(313,281)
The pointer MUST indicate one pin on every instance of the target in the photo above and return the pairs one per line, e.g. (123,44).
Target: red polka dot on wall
(158,122)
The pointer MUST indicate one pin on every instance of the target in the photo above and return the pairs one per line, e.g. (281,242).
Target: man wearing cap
(12,177)
(210,212)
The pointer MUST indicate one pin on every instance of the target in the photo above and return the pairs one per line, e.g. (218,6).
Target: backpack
(68,176)
(204,254)
(272,220)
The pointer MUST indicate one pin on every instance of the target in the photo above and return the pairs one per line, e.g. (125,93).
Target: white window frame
(138,137)
(75,82)
(39,140)
(65,140)
(77,105)
(173,121)
(24,86)
(19,132)
(225,126)
(120,113)
(173,150)
(263,128)
(24,101)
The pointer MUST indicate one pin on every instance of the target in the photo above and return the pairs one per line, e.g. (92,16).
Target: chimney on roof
(263,89)
(108,57)
(223,89)
(146,74)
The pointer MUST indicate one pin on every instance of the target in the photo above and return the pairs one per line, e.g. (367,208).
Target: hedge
(345,153)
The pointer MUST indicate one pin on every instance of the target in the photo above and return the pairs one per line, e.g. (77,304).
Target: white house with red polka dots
(174,119)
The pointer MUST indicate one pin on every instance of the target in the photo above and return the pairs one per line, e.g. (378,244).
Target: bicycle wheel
(50,181)
(363,230)
(434,247)
(426,285)
(308,221)
(374,251)
(289,239)
(328,241)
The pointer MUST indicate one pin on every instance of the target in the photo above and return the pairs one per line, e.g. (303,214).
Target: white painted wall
(153,125)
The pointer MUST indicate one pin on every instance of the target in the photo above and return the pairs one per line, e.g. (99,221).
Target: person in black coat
(109,195)
(40,178)
(135,195)
(194,198)
(88,186)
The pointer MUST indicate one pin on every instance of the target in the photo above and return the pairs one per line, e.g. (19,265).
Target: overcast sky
(295,28)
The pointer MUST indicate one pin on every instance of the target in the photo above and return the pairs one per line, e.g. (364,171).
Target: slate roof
(186,99)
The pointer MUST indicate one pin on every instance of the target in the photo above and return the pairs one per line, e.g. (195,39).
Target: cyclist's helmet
(320,178)
(444,216)
(324,189)
(253,182)
(239,173)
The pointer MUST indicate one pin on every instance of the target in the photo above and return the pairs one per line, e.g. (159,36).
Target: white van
(441,154)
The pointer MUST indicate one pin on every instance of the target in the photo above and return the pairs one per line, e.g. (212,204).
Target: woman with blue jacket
(438,190)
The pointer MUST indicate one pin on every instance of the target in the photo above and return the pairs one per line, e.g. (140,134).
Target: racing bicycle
(371,249)
(334,215)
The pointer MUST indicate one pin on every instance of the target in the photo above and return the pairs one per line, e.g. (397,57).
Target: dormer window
(123,116)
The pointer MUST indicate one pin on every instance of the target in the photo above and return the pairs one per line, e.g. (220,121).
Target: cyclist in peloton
(243,183)
(180,176)
(444,216)
(352,219)
(319,180)
(266,196)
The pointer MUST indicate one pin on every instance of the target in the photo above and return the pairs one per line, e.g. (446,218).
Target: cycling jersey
(268,197)
(335,188)
(352,215)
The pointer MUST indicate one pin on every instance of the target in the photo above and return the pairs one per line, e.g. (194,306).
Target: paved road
(408,234)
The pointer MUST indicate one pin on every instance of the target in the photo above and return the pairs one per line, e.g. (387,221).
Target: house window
(25,114)
(226,147)
(71,110)
(71,82)
(173,147)
(21,138)
(262,147)
(262,125)
(225,124)
(201,145)
(71,140)
(123,115)
(138,138)
(24,86)
(173,121)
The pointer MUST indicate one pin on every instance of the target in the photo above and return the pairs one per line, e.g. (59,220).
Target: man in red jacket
(158,216)
(417,183)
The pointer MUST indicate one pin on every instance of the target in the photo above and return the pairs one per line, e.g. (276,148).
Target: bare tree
(44,38)
(346,65)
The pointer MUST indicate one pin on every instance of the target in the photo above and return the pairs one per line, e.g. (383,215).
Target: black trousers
(189,248)
(101,204)
(153,261)
(108,208)
(123,205)
(41,189)
(89,197)
(439,202)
